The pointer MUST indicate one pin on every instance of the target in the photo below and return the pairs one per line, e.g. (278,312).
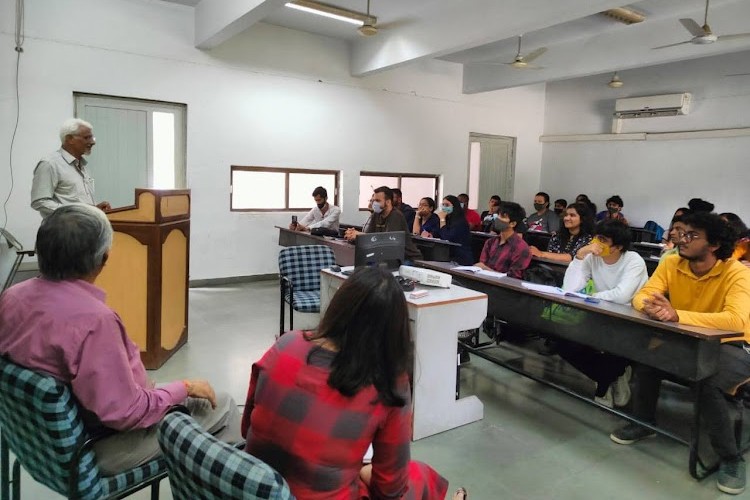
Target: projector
(425,276)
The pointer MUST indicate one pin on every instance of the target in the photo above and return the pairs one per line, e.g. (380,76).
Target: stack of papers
(480,271)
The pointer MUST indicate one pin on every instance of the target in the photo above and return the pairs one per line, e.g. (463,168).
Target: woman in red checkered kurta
(318,399)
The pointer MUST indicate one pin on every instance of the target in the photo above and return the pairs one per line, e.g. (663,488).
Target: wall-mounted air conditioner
(654,105)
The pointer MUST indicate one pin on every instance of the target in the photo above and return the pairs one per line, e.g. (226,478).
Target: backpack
(656,228)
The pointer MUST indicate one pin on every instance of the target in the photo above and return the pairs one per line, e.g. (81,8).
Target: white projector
(425,276)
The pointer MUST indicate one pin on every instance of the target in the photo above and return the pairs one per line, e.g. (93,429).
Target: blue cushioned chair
(201,466)
(299,279)
(42,426)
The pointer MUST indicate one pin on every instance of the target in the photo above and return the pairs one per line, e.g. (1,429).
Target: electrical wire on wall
(19,50)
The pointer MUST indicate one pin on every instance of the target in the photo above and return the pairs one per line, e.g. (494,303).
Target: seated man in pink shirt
(59,324)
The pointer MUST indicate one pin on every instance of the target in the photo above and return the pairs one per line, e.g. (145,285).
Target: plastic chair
(201,466)
(43,427)
(11,255)
(299,279)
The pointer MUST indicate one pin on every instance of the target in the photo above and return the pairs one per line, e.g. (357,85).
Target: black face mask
(613,210)
(558,211)
(538,206)
(500,225)
(321,205)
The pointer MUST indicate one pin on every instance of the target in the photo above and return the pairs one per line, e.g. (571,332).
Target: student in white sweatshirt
(618,273)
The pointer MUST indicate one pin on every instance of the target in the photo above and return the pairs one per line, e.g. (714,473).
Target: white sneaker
(607,400)
(621,388)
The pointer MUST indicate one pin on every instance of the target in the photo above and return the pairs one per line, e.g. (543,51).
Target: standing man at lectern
(62,178)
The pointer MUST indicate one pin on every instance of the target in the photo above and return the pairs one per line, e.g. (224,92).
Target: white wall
(653,177)
(268,97)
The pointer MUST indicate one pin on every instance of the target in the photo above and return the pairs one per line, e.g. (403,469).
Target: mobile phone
(294,220)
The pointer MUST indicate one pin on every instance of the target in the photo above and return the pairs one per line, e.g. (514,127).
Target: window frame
(399,176)
(243,168)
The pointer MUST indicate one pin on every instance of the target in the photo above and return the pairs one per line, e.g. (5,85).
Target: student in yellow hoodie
(701,286)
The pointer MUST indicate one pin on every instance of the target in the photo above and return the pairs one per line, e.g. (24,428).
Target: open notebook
(480,271)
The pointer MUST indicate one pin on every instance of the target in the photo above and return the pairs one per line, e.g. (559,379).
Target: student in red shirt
(318,399)
(472,216)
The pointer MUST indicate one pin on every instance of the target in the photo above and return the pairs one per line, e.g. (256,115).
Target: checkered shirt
(315,436)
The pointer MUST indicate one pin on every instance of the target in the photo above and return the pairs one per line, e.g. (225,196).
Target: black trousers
(734,369)
(599,366)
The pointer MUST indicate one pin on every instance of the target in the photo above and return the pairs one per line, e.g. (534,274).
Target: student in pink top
(59,324)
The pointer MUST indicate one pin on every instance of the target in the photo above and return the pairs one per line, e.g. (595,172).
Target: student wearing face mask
(618,273)
(386,218)
(560,205)
(454,228)
(323,215)
(507,253)
(489,215)
(543,219)
(614,210)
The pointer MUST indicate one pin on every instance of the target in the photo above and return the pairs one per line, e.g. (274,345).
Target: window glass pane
(301,187)
(163,150)
(474,155)
(258,189)
(368,183)
(416,188)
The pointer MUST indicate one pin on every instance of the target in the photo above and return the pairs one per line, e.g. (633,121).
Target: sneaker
(731,478)
(605,400)
(631,433)
(621,388)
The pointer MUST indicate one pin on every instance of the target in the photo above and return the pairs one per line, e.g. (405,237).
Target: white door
(491,168)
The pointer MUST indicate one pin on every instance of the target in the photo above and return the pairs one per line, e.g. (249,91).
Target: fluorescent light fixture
(323,9)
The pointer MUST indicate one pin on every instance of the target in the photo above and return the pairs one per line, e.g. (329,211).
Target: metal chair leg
(282,306)
(155,490)
(16,480)
(4,469)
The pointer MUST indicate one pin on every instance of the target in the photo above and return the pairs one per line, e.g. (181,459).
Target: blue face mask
(376,207)
(447,209)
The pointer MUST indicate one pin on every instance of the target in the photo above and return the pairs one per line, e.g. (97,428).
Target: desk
(435,321)
(688,352)
(434,248)
(641,235)
(342,250)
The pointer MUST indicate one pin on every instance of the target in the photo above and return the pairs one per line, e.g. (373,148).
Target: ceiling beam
(447,27)
(216,21)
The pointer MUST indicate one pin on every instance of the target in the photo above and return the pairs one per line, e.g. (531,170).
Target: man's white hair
(71,127)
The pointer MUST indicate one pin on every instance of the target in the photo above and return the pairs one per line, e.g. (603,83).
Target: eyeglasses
(688,237)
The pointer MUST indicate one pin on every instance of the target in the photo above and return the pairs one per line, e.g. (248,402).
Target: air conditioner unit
(654,105)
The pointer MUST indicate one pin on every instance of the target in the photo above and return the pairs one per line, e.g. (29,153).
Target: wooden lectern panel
(174,254)
(124,280)
(146,276)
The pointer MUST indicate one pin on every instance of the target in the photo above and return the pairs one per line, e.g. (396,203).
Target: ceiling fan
(521,62)
(703,35)
(368,28)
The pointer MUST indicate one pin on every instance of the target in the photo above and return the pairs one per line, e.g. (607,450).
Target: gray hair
(71,127)
(72,241)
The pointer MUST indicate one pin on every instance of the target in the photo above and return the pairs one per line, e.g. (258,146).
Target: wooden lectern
(146,276)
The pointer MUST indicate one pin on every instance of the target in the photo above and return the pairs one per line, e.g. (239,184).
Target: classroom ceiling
(482,35)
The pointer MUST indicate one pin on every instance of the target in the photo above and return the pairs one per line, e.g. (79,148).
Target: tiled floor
(533,442)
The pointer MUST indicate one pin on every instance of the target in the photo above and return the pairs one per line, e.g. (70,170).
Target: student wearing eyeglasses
(701,286)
